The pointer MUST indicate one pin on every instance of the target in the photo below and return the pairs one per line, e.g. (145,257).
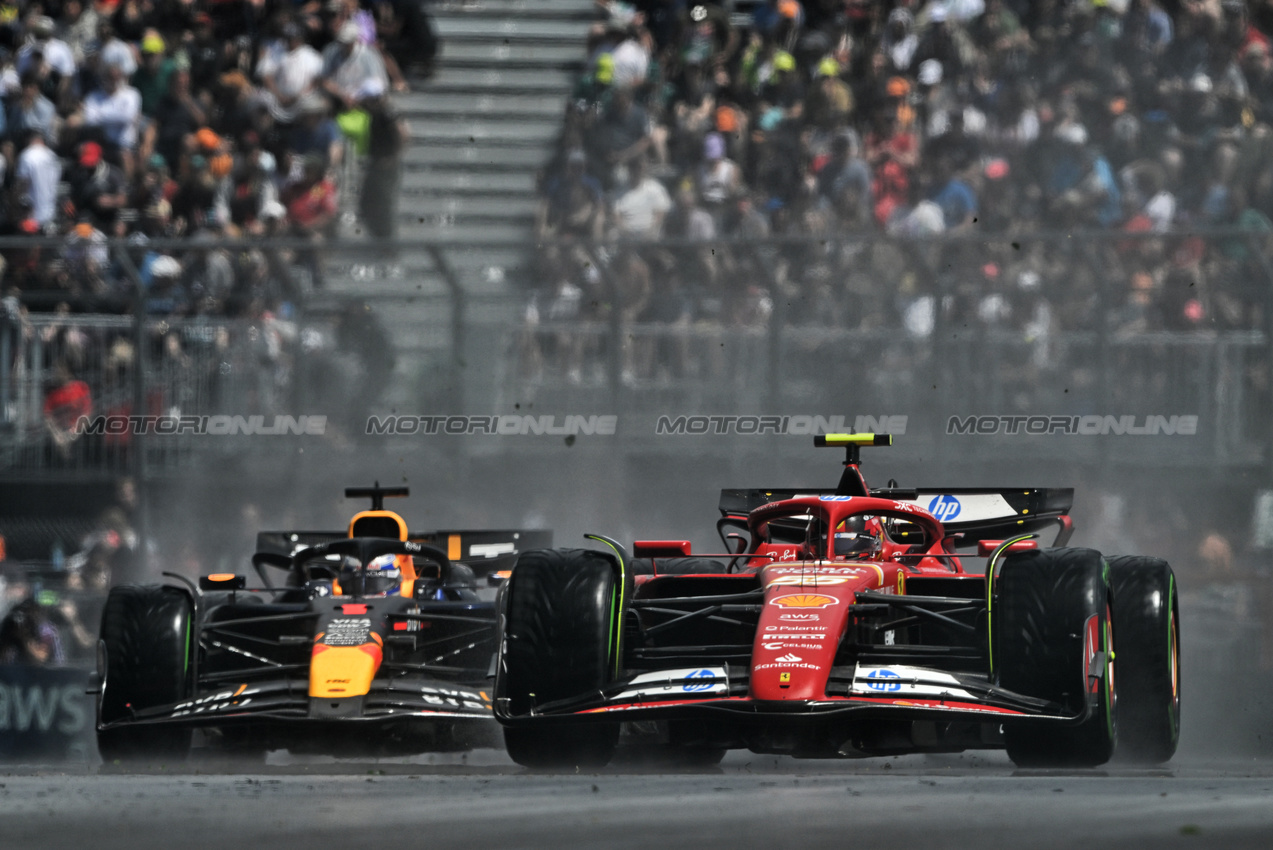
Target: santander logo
(789,658)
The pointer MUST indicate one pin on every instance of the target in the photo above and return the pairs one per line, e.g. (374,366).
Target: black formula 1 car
(845,622)
(372,640)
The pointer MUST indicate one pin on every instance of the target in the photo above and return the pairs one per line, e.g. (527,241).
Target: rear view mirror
(222,581)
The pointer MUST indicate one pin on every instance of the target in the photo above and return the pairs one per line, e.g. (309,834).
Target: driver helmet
(858,538)
(383,577)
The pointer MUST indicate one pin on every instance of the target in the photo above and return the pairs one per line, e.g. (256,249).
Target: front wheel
(560,640)
(146,637)
(588,745)
(1054,639)
(1146,613)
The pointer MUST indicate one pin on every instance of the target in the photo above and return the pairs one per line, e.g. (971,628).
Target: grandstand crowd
(845,120)
(210,119)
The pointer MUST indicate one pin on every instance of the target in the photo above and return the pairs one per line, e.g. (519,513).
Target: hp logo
(945,508)
(699,680)
(883,680)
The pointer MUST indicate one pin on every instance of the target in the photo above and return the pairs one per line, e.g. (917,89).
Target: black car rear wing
(974,513)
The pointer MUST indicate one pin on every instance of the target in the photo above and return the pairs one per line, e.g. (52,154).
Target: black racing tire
(1147,665)
(562,746)
(559,641)
(147,635)
(1052,622)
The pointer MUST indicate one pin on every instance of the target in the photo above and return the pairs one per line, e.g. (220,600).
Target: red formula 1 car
(845,622)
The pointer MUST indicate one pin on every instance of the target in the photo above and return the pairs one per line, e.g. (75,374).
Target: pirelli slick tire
(1053,638)
(562,746)
(563,610)
(146,635)
(1147,666)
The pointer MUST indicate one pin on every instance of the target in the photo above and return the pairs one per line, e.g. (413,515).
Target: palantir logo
(945,508)
(883,680)
(699,680)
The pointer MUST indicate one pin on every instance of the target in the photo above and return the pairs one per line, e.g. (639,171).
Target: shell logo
(803,600)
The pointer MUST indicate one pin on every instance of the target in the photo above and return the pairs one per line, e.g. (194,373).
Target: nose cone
(343,671)
(796,642)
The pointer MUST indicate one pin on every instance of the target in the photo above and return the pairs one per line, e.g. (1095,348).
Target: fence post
(1253,245)
(773,358)
(459,323)
(137,454)
(6,367)
(614,359)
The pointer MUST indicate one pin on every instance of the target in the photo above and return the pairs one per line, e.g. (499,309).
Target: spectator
(28,636)
(41,47)
(108,52)
(631,59)
(289,70)
(152,79)
(32,111)
(97,187)
(623,135)
(640,210)
(38,173)
(314,134)
(114,110)
(845,181)
(572,206)
(719,178)
(178,114)
(957,200)
(349,65)
(311,204)
(65,401)
(387,135)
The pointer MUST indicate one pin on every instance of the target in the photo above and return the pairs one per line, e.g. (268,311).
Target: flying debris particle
(570,440)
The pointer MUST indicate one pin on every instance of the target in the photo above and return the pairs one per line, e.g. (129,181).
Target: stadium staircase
(481,129)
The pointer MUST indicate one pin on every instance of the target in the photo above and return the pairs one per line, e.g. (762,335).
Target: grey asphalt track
(483,801)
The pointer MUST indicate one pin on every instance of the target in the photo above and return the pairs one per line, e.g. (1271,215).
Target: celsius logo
(699,680)
(945,508)
(883,680)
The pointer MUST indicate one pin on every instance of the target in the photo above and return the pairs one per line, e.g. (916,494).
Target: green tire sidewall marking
(1173,658)
(990,589)
(617,605)
(1107,692)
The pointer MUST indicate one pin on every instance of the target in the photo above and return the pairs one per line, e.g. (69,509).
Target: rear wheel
(1053,639)
(1148,662)
(146,635)
(560,641)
